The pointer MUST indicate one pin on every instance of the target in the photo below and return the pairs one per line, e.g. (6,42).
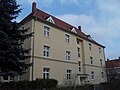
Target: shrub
(37,84)
(46,83)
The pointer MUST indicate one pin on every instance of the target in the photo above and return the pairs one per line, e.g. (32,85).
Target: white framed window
(91,60)
(69,74)
(46,31)
(92,75)
(99,50)
(78,52)
(79,66)
(67,38)
(46,51)
(101,62)
(68,55)
(90,47)
(46,73)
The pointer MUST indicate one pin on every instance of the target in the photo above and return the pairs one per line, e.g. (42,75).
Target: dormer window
(73,30)
(50,19)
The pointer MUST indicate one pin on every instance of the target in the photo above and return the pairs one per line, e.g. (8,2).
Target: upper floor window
(67,38)
(101,62)
(46,51)
(46,31)
(91,60)
(68,55)
(92,75)
(78,52)
(99,50)
(69,74)
(46,73)
(78,42)
(90,47)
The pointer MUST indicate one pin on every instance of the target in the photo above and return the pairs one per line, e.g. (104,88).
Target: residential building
(113,69)
(62,51)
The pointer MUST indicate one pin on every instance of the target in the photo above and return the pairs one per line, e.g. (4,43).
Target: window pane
(46,31)
(67,55)
(92,75)
(69,75)
(91,60)
(78,52)
(100,61)
(46,51)
(67,38)
(79,66)
(46,72)
(90,48)
(99,50)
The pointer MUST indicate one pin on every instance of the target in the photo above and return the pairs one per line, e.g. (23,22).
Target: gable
(50,19)
(73,30)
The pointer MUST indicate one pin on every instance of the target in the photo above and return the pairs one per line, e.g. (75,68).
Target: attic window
(89,37)
(73,30)
(50,20)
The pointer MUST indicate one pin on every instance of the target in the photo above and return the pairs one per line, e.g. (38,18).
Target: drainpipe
(33,52)
(33,10)
(105,65)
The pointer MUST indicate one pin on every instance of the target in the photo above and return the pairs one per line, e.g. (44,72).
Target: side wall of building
(57,60)
(97,65)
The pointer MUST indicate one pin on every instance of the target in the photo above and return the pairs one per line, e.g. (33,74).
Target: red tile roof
(43,16)
(113,63)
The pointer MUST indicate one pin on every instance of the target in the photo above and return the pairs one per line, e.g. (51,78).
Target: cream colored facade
(57,61)
(78,70)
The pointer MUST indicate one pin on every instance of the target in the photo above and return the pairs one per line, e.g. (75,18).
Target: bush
(37,84)
(113,85)
(47,83)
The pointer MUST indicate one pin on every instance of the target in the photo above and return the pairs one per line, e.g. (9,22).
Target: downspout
(105,65)
(33,50)
(33,11)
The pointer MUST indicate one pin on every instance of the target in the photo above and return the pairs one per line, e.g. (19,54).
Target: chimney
(119,58)
(33,6)
(79,27)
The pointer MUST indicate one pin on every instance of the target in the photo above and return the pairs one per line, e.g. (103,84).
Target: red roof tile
(113,63)
(43,16)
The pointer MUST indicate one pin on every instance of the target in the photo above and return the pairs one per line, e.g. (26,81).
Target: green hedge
(113,85)
(37,84)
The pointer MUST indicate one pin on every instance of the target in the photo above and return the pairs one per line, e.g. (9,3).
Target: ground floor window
(92,75)
(46,73)
(69,75)
(79,66)
(102,74)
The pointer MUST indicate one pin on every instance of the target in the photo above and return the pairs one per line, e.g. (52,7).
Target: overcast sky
(99,18)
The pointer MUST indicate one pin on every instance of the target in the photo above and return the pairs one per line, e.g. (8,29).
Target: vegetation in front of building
(51,84)
(22,85)
(13,55)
